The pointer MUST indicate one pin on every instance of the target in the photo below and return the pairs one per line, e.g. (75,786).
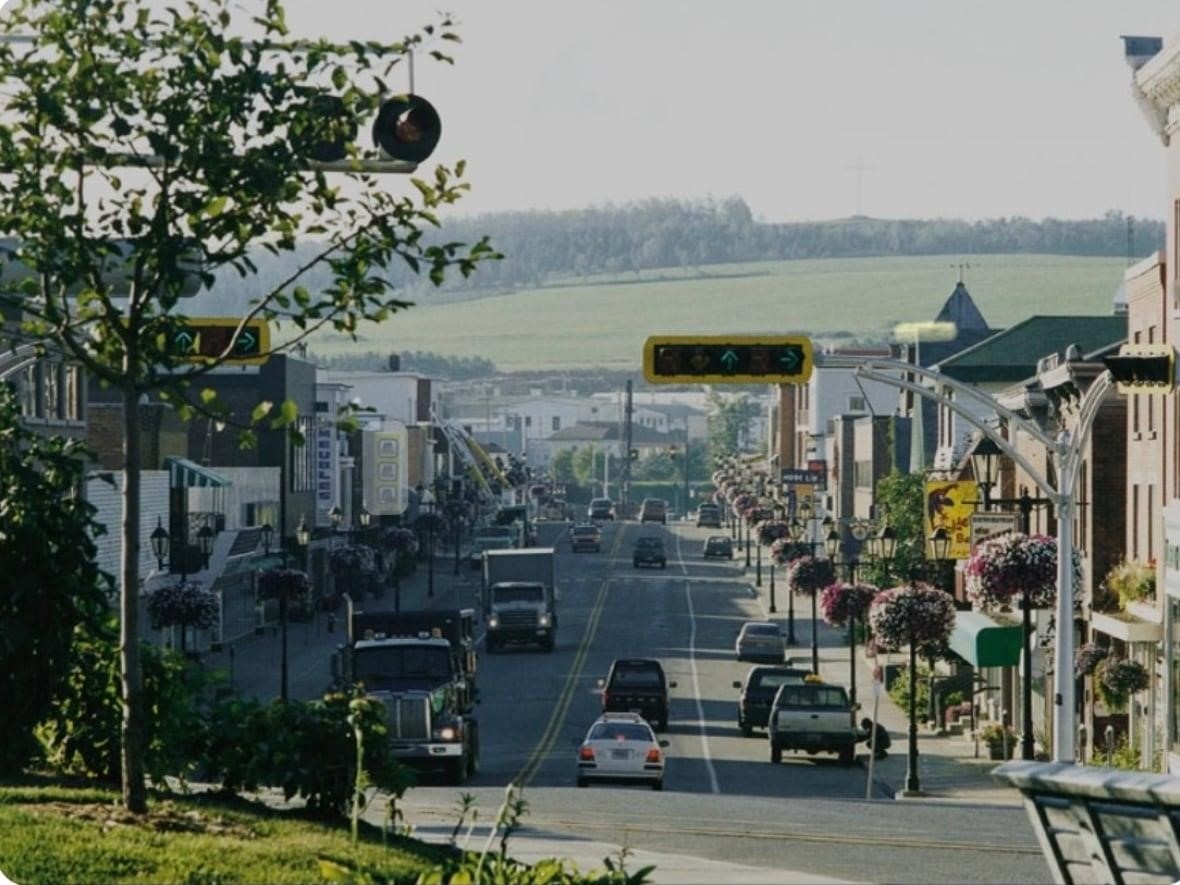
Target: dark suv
(649,551)
(637,685)
(758,691)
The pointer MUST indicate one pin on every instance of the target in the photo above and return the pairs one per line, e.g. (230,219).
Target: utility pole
(626,483)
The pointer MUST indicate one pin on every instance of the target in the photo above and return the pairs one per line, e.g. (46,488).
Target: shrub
(996,734)
(1131,581)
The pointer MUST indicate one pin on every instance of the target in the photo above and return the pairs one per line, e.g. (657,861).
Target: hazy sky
(951,108)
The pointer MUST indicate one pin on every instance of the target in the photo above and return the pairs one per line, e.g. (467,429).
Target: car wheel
(747,730)
(847,756)
(581,782)
(657,785)
(776,754)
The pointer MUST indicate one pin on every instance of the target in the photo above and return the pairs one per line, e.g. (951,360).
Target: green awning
(981,642)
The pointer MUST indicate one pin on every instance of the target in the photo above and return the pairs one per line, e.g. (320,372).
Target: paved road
(724,803)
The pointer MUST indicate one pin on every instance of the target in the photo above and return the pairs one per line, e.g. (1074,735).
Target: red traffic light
(407,128)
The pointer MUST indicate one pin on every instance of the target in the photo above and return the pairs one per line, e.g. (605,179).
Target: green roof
(1012,354)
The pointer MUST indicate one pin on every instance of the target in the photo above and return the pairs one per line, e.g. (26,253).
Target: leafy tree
(51,584)
(729,423)
(228,123)
(562,466)
(900,501)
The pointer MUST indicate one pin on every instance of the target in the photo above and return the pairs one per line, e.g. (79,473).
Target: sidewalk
(254,662)
(948,767)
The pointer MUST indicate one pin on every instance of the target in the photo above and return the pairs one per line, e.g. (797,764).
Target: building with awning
(982,642)
(184,473)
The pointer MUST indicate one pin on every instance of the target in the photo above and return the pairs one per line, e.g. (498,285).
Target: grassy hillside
(603,324)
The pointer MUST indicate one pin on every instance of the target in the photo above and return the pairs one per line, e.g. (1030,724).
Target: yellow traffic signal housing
(1144,368)
(727,359)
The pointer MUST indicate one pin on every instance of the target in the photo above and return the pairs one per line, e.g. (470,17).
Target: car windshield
(812,696)
(383,666)
(620,731)
(636,677)
(761,630)
(523,593)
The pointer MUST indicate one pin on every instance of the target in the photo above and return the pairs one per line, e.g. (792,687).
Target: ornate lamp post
(807,514)
(336,515)
(758,569)
(779,510)
(302,540)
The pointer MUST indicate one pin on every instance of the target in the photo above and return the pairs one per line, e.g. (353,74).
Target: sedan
(718,546)
(621,748)
(760,641)
(649,550)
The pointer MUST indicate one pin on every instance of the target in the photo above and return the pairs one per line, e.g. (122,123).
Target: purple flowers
(918,615)
(770,530)
(277,583)
(784,551)
(1117,679)
(184,605)
(1011,564)
(810,575)
(841,603)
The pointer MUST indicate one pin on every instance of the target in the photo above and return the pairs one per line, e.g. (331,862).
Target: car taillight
(586,754)
(605,699)
(653,755)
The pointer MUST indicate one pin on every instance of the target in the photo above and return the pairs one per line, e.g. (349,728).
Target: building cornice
(1156,87)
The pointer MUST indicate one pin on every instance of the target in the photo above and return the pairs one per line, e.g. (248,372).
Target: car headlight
(494,622)
(543,621)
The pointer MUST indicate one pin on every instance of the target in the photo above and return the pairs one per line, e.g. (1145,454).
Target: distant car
(637,685)
(649,550)
(492,537)
(760,641)
(758,690)
(585,536)
(654,510)
(621,748)
(601,508)
(718,546)
(709,516)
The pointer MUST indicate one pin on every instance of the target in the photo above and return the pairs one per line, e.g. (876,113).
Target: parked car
(719,546)
(601,508)
(637,685)
(760,641)
(654,510)
(621,747)
(709,516)
(649,550)
(585,536)
(758,690)
(814,718)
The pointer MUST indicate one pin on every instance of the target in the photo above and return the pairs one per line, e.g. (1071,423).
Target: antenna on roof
(962,267)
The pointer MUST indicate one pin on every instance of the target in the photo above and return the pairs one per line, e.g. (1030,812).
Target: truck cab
(519,598)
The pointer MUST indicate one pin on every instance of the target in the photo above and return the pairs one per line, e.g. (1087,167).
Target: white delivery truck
(519,597)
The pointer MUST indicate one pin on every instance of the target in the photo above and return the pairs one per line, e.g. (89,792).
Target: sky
(806,109)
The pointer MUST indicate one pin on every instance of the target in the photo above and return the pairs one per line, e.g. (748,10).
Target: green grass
(603,324)
(56,835)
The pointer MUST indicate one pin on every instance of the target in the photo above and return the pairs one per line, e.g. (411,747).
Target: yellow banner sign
(949,505)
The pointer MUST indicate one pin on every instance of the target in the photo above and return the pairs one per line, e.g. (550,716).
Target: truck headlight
(543,621)
(446,733)
(494,622)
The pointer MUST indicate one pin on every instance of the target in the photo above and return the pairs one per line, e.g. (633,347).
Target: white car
(621,748)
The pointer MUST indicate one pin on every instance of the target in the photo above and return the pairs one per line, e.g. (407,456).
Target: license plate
(620,754)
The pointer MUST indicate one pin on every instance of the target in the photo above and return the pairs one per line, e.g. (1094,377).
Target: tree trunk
(134,791)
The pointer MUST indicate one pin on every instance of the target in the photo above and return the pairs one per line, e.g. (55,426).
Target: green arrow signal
(791,359)
(184,341)
(246,341)
(729,360)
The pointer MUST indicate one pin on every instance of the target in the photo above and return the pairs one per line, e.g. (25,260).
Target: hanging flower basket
(809,574)
(771,530)
(276,583)
(841,602)
(182,605)
(352,559)
(1011,565)
(1087,658)
(1116,679)
(402,540)
(919,615)
(784,551)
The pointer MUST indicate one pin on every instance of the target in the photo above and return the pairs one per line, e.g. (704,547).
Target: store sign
(985,525)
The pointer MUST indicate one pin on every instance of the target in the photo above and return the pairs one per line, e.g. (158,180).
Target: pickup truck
(814,717)
(757,692)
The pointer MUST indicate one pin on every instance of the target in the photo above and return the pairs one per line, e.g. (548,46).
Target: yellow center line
(545,744)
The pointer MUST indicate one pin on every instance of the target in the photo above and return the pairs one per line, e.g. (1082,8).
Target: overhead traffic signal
(1144,368)
(727,359)
(406,130)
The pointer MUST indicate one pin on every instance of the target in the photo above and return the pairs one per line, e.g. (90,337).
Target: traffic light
(203,339)
(727,359)
(1144,368)
(407,129)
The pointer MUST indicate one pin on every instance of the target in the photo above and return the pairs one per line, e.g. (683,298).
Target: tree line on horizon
(546,247)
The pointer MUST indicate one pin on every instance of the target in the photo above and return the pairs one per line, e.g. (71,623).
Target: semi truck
(421,665)
(519,598)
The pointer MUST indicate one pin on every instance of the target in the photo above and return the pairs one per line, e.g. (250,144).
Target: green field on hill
(604,324)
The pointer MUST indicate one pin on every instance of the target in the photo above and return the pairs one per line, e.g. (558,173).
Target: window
(72,394)
(556,424)
(50,390)
(857,404)
(302,457)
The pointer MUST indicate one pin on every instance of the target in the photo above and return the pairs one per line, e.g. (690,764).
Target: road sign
(984,525)
(727,359)
(791,476)
(203,339)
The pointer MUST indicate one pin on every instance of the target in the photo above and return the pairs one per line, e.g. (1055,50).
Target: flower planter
(996,751)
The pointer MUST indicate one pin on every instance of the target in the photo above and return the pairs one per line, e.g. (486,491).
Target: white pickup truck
(815,717)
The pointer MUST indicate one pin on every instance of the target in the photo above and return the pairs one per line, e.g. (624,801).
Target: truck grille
(409,718)
(518,620)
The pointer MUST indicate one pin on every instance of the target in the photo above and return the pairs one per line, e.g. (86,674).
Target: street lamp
(159,538)
(302,540)
(985,462)
(758,570)
(336,515)
(940,545)
(426,499)
(267,531)
(807,514)
(778,518)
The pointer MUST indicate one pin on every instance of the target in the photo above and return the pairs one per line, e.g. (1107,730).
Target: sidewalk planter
(1000,740)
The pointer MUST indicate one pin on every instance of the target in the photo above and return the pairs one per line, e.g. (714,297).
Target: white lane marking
(696,682)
